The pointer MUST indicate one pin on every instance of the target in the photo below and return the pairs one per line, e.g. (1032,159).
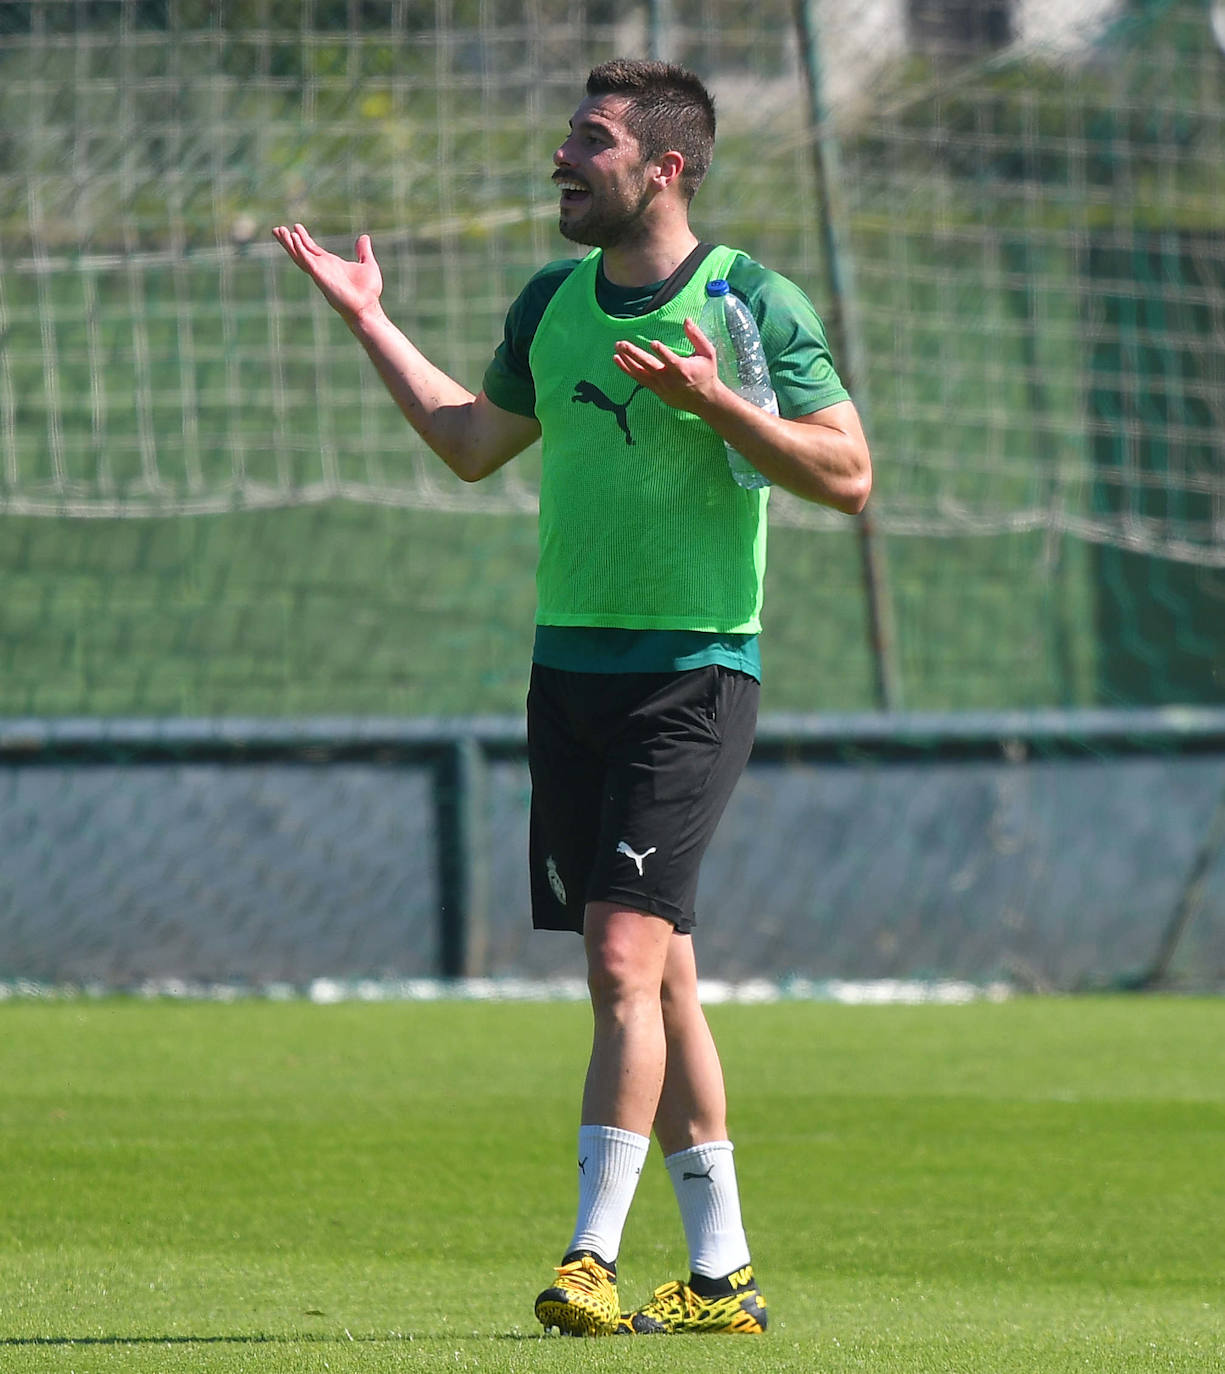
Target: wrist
(367,319)
(716,401)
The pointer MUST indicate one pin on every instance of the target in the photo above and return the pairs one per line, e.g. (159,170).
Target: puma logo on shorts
(623,848)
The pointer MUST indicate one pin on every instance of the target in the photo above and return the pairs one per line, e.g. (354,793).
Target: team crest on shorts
(555,882)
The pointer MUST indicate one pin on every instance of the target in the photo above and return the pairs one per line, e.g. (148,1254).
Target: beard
(607,225)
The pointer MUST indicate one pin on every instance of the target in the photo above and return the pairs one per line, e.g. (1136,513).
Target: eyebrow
(598,125)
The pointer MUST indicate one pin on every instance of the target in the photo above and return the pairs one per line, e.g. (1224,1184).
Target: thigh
(567,773)
(672,766)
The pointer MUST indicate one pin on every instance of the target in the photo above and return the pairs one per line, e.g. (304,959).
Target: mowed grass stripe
(1033,1185)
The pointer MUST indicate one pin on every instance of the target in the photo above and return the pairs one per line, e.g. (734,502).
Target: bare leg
(693,1104)
(626,955)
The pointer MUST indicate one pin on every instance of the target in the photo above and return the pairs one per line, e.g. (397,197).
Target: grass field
(1029,1186)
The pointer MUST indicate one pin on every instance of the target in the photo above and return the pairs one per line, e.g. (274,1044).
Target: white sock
(704,1179)
(610,1162)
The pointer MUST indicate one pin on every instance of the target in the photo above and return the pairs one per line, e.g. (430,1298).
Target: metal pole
(459,776)
(1190,900)
(659,14)
(847,346)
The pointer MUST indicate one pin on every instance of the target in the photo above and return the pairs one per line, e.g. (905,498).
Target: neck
(653,259)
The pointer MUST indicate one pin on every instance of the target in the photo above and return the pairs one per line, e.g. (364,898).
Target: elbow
(468,465)
(855,485)
(850,494)
(855,497)
(847,494)
(859,487)
(839,467)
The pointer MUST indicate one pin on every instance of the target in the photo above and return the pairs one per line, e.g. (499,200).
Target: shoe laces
(585,1274)
(674,1298)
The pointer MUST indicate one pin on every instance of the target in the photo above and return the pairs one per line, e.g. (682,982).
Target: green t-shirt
(804,380)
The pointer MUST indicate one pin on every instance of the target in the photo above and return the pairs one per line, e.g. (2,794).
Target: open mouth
(573,193)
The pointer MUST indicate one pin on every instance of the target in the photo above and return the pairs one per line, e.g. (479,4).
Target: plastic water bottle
(729,324)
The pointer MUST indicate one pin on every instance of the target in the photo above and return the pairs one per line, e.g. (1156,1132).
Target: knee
(624,963)
(615,977)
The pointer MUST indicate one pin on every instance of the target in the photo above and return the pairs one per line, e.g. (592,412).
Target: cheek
(631,184)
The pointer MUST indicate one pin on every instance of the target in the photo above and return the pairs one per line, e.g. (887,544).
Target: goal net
(1008,213)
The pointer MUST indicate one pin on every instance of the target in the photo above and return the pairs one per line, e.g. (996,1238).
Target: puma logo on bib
(587,393)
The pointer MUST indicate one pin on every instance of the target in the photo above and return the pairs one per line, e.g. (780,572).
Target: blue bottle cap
(718,287)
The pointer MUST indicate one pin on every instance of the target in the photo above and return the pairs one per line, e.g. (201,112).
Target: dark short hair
(670,110)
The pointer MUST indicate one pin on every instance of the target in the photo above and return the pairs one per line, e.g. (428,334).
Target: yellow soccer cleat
(583,1301)
(675,1309)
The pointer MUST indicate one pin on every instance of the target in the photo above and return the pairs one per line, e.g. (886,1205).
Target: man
(645,670)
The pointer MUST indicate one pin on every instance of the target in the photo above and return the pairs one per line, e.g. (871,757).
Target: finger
(644,372)
(365,253)
(648,372)
(289,243)
(701,344)
(665,352)
(631,350)
(305,239)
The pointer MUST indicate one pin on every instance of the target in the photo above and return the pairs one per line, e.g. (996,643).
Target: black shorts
(630,775)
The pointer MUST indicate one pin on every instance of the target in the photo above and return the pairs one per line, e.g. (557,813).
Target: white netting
(1028,205)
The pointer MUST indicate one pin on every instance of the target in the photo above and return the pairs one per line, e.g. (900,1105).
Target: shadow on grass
(18,1341)
(343,1338)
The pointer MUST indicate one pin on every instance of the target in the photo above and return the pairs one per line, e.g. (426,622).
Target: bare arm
(821,457)
(468,432)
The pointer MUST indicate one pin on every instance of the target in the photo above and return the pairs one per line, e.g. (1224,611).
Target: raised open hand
(350,288)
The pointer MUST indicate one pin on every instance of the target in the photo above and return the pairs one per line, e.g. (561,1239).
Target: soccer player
(645,670)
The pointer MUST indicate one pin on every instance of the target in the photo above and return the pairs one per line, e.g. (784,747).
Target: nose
(560,158)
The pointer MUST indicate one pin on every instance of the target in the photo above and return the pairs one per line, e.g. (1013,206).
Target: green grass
(1033,1186)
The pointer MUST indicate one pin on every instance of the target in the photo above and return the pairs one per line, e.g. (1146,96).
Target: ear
(668,170)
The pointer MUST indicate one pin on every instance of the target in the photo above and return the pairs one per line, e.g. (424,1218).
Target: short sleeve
(508,378)
(801,365)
